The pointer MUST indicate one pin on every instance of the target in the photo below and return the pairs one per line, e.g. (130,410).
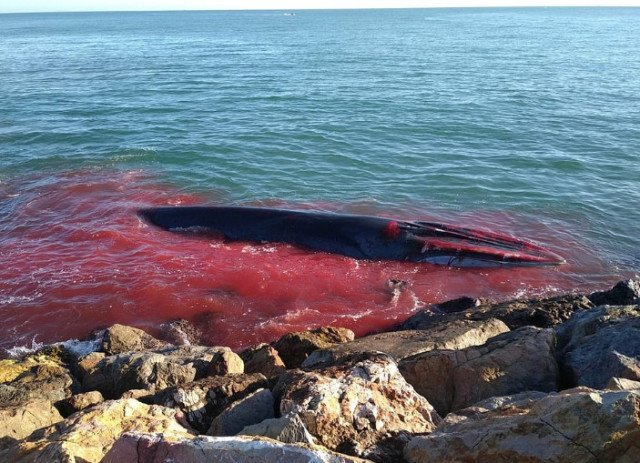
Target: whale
(356,236)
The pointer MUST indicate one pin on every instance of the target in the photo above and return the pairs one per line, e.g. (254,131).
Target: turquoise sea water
(527,118)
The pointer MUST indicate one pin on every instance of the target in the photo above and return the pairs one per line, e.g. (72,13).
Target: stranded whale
(356,236)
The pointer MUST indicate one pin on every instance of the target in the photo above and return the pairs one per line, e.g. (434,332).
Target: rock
(118,339)
(40,382)
(225,363)
(350,406)
(401,344)
(18,421)
(425,317)
(79,402)
(289,429)
(577,426)
(204,399)
(157,370)
(251,409)
(87,435)
(88,363)
(262,358)
(600,344)
(137,447)
(622,384)
(509,363)
(294,348)
(181,332)
(623,293)
(543,313)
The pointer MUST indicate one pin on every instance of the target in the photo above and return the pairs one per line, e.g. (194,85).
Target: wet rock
(509,363)
(87,435)
(137,447)
(201,401)
(600,344)
(294,348)
(540,312)
(249,410)
(118,339)
(157,370)
(80,402)
(352,405)
(181,332)
(18,421)
(425,317)
(623,293)
(401,344)
(262,358)
(289,429)
(573,426)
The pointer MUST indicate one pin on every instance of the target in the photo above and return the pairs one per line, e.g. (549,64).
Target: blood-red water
(75,257)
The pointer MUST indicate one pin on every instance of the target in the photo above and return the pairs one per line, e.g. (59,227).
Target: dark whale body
(356,236)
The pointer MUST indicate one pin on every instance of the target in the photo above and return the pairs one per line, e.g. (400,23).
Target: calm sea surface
(525,121)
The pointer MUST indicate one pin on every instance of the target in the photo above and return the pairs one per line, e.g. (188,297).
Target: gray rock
(598,345)
(138,447)
(294,348)
(575,426)
(401,344)
(623,293)
(354,404)
(202,400)
(509,363)
(289,429)
(120,338)
(249,410)
(157,370)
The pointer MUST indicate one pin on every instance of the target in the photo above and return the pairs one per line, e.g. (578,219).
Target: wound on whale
(355,236)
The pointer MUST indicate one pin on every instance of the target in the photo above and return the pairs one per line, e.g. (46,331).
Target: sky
(20,6)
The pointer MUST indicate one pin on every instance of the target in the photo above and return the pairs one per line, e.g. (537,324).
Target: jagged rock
(575,426)
(226,363)
(289,429)
(251,409)
(18,421)
(423,319)
(294,348)
(262,358)
(202,400)
(355,403)
(181,332)
(156,448)
(623,293)
(157,370)
(88,363)
(600,344)
(401,344)
(509,363)
(87,435)
(40,382)
(622,384)
(79,402)
(118,339)
(543,313)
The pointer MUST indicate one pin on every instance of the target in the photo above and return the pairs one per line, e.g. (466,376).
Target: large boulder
(252,409)
(453,335)
(575,426)
(202,400)
(294,348)
(157,370)
(118,339)
(598,345)
(18,421)
(352,405)
(88,435)
(138,447)
(509,363)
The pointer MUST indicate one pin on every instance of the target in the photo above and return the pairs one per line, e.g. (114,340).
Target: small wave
(76,347)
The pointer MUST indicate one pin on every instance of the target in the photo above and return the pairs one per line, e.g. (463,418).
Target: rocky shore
(537,380)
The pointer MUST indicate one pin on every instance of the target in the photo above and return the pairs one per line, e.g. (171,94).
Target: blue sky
(15,6)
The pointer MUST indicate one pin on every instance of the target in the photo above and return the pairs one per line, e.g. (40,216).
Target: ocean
(524,121)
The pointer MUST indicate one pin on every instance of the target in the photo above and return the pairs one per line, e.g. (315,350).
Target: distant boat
(289,14)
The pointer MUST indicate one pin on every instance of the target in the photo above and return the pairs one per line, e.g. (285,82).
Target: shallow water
(521,121)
